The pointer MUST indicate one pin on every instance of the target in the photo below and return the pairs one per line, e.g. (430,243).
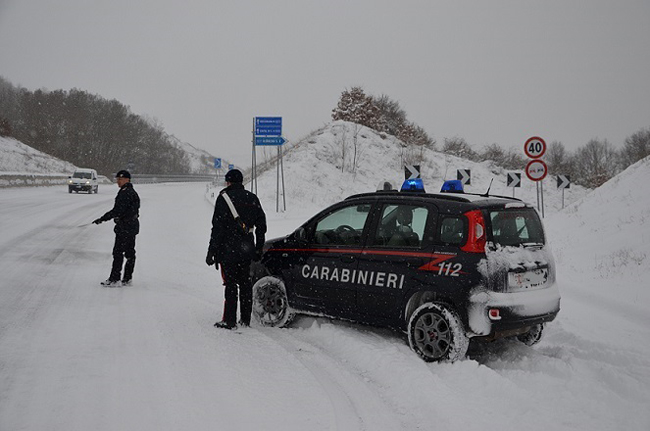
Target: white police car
(443,267)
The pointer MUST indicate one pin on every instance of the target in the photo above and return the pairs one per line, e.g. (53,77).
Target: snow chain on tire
(436,333)
(270,303)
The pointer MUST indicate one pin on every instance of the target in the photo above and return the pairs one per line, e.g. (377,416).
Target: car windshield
(85,175)
(516,226)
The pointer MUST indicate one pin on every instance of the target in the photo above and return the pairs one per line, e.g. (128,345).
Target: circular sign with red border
(535,147)
(536,170)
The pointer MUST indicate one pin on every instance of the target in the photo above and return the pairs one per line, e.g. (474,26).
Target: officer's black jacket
(228,239)
(125,212)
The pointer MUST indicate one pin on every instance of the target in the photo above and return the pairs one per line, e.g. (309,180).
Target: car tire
(436,334)
(270,303)
(533,336)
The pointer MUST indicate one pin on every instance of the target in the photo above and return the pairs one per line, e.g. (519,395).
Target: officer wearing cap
(125,214)
(233,246)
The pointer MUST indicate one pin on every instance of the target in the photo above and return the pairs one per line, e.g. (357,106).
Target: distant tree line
(88,131)
(590,166)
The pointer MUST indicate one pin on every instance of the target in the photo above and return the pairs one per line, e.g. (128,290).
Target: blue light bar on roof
(413,185)
(452,186)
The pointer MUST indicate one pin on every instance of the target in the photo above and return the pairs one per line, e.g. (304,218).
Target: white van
(83,180)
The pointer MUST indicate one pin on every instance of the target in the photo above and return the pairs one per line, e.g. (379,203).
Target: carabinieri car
(443,267)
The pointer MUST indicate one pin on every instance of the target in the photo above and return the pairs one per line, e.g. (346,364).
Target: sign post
(536,169)
(267,131)
(464,175)
(411,172)
(513,180)
(563,182)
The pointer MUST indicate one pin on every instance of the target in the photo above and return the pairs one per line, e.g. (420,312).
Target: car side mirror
(301,234)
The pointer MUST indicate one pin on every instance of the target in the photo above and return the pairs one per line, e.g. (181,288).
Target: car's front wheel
(270,304)
(436,333)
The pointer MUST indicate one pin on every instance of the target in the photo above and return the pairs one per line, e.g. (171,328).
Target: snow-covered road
(75,356)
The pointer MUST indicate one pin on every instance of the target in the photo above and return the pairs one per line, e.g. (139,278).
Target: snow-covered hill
(16,157)
(603,242)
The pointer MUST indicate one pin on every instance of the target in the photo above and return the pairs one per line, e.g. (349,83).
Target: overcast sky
(489,71)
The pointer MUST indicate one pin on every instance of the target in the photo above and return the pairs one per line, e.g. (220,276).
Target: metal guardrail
(31,180)
(164,178)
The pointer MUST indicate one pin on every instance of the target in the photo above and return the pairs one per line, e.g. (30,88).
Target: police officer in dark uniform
(232,246)
(125,213)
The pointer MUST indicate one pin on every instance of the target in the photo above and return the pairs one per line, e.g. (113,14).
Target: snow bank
(604,238)
(18,158)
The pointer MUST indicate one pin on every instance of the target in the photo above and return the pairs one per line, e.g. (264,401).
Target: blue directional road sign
(268,126)
(217,163)
(231,167)
(269,140)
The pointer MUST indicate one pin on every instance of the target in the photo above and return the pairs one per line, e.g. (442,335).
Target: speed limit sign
(535,147)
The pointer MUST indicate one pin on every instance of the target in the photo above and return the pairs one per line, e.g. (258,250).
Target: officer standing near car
(125,213)
(237,213)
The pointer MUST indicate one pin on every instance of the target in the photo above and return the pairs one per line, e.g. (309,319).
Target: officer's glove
(98,221)
(211,258)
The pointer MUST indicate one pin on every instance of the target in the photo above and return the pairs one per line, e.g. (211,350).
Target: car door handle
(347,259)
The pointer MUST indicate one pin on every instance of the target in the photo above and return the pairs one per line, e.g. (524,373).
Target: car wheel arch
(420,297)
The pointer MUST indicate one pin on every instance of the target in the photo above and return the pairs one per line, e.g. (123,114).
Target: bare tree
(340,145)
(458,147)
(558,159)
(393,116)
(636,147)
(596,163)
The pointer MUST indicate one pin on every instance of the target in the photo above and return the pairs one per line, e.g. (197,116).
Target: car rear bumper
(493,313)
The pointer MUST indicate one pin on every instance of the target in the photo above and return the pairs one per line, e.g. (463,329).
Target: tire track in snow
(354,403)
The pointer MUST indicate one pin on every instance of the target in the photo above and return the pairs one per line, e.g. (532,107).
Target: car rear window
(452,230)
(516,226)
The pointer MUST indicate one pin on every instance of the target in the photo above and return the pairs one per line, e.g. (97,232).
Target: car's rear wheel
(436,333)
(270,304)
(533,336)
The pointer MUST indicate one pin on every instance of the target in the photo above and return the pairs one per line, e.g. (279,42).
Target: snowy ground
(75,356)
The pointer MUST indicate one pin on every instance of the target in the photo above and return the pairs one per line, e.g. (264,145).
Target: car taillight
(476,233)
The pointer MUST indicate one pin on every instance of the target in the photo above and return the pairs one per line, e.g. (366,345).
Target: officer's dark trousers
(236,277)
(124,248)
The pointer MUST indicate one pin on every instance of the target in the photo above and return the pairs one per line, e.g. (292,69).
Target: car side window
(452,230)
(401,226)
(343,226)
